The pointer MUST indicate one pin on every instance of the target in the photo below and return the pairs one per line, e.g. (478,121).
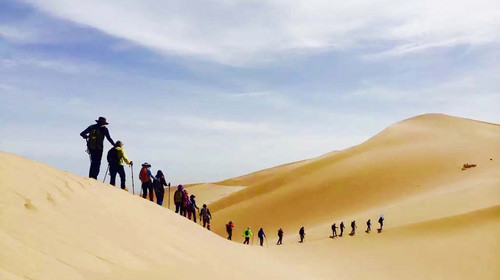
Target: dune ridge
(418,157)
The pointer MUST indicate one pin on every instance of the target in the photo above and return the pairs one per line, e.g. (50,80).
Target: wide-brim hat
(101,120)
(146,164)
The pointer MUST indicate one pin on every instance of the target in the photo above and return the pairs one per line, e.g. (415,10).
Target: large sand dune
(442,222)
(409,172)
(55,225)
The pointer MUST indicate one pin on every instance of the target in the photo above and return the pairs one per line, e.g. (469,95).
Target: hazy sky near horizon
(207,90)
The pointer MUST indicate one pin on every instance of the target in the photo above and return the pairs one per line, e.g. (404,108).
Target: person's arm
(106,133)
(151,175)
(124,156)
(85,132)
(209,214)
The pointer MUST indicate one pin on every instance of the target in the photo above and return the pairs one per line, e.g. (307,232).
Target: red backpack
(143,175)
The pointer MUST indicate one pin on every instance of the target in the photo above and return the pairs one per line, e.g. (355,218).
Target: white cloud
(244,32)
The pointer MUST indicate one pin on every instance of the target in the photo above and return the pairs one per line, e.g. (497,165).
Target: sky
(208,90)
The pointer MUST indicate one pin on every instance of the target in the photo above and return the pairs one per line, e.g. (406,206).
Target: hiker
(193,206)
(229,230)
(381,222)
(342,227)
(368,226)
(205,216)
(334,230)
(158,185)
(145,176)
(302,234)
(186,206)
(280,237)
(247,233)
(179,199)
(353,227)
(261,236)
(94,135)
(116,156)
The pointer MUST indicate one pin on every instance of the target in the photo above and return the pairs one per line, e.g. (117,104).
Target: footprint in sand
(29,205)
(50,199)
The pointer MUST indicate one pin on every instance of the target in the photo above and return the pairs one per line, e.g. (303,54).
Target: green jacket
(247,233)
(121,156)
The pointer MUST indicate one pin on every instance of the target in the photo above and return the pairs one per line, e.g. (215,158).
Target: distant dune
(441,221)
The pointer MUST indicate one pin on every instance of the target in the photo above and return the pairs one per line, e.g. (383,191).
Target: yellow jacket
(121,156)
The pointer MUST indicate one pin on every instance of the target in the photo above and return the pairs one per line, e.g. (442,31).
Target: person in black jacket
(334,230)
(205,216)
(342,227)
(381,222)
(353,227)
(94,135)
(193,206)
(261,236)
(368,226)
(302,234)
(158,185)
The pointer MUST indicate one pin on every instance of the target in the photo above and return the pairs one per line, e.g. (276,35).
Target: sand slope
(417,161)
(55,225)
(441,222)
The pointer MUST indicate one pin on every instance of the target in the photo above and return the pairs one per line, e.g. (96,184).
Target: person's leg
(177,207)
(204,223)
(160,196)
(144,189)
(230,237)
(121,172)
(112,175)
(151,195)
(95,163)
(194,214)
(261,241)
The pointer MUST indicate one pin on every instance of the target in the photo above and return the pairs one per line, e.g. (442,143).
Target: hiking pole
(107,169)
(267,244)
(132,172)
(168,195)
(252,240)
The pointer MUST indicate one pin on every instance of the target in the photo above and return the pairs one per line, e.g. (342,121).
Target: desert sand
(441,222)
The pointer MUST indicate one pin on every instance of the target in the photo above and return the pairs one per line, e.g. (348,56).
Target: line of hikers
(154,185)
(247,233)
(116,157)
(354,227)
(185,205)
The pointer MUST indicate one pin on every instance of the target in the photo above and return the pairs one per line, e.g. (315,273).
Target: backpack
(94,141)
(113,156)
(178,196)
(143,175)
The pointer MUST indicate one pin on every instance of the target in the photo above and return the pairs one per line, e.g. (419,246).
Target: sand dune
(55,225)
(415,161)
(442,222)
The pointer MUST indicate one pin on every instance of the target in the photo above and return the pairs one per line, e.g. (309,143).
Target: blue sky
(207,90)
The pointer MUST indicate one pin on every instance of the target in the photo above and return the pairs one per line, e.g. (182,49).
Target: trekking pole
(252,240)
(132,172)
(267,244)
(107,169)
(168,195)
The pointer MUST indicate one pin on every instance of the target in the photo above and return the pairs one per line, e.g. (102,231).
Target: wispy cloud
(244,32)
(225,125)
